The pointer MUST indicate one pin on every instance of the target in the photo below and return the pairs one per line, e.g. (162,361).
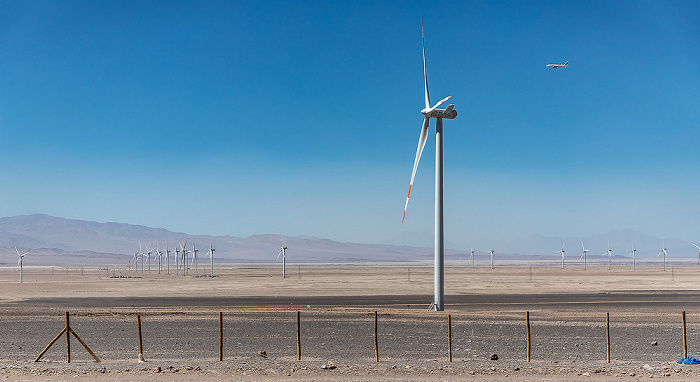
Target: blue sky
(302,118)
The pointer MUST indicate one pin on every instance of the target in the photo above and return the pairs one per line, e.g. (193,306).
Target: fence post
(298,338)
(221,336)
(607,334)
(527,322)
(449,336)
(67,338)
(138,320)
(376,340)
(685,343)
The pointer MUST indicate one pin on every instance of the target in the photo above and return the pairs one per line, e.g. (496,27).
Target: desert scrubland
(336,305)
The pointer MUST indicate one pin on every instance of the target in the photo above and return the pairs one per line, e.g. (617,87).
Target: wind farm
(289,128)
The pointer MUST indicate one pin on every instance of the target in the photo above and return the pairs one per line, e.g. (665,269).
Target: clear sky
(302,117)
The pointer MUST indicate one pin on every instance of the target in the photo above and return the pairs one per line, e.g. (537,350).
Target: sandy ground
(487,307)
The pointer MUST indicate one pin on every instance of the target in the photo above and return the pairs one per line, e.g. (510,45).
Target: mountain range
(55,240)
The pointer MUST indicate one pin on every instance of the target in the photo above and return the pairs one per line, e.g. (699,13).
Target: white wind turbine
(471,257)
(609,253)
(584,254)
(283,253)
(136,262)
(663,251)
(167,258)
(183,261)
(433,112)
(698,252)
(177,261)
(562,254)
(159,254)
(194,258)
(634,258)
(148,255)
(141,255)
(210,253)
(19,262)
(491,252)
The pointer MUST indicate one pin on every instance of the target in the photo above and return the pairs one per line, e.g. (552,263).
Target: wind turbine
(663,250)
(491,251)
(136,262)
(177,261)
(471,256)
(634,258)
(141,255)
(562,254)
(167,258)
(148,254)
(183,250)
(283,253)
(609,252)
(584,254)
(433,112)
(194,258)
(19,262)
(159,254)
(211,256)
(698,252)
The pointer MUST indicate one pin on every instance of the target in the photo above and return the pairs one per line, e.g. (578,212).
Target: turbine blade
(419,152)
(440,103)
(425,71)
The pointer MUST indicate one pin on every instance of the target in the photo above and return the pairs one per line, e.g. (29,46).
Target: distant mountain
(58,239)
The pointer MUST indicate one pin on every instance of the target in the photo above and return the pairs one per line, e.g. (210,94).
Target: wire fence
(350,336)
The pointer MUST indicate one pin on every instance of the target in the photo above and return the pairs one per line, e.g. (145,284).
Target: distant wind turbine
(491,252)
(634,258)
(562,254)
(584,254)
(159,254)
(663,251)
(210,253)
(471,256)
(19,262)
(167,258)
(698,252)
(609,253)
(194,258)
(433,112)
(148,255)
(283,253)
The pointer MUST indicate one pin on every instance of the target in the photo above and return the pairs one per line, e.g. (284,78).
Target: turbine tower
(148,254)
(634,258)
(698,252)
(584,254)
(283,253)
(471,256)
(433,112)
(562,255)
(159,254)
(177,261)
(19,262)
(491,251)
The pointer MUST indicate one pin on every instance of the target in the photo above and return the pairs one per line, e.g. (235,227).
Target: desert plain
(337,304)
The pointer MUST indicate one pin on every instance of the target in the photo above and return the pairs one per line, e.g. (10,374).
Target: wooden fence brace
(138,319)
(67,330)
(298,338)
(607,334)
(527,323)
(449,336)
(221,336)
(376,340)
(685,343)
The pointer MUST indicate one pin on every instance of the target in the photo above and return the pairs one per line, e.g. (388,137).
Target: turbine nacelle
(448,113)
